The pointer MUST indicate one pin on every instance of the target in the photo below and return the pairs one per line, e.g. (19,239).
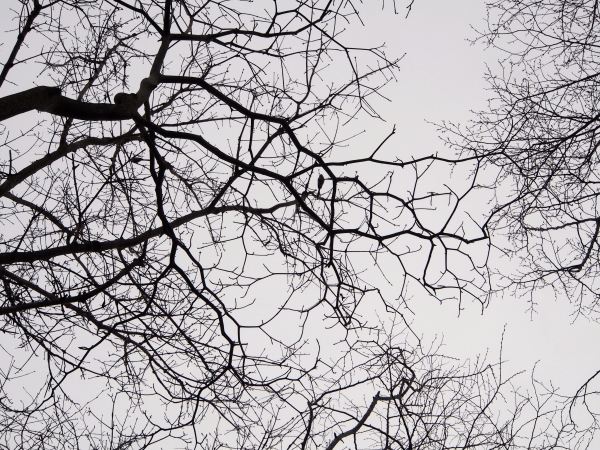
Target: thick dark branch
(38,209)
(35,98)
(52,299)
(222,97)
(120,244)
(250,167)
(360,423)
(49,99)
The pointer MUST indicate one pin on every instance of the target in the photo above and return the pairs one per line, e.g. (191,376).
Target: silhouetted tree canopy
(536,153)
(191,244)
(540,138)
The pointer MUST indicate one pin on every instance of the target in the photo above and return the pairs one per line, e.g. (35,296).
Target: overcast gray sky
(442,79)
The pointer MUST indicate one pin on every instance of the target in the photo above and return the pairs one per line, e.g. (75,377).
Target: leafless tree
(536,152)
(182,261)
(540,135)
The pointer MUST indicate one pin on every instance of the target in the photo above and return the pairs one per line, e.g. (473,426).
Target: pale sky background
(442,79)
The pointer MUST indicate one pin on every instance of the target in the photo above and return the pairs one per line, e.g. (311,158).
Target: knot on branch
(123,98)
(48,91)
